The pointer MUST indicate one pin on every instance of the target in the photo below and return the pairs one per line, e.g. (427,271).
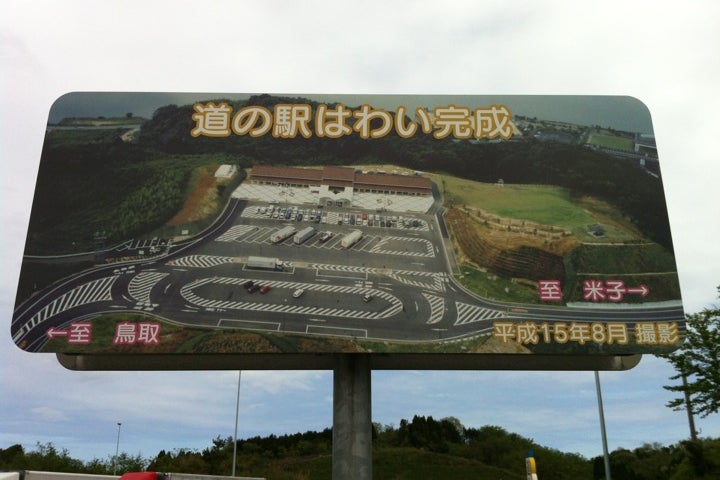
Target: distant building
(336,185)
(597,231)
(645,143)
(226,171)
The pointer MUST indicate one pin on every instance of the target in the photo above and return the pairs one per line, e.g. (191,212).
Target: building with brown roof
(336,185)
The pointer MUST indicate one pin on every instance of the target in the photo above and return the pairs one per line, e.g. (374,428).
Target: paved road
(200,282)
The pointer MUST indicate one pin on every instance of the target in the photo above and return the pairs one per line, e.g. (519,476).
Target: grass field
(537,203)
(610,141)
(543,204)
(497,288)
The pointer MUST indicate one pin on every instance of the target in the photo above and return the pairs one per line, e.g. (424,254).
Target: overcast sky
(663,53)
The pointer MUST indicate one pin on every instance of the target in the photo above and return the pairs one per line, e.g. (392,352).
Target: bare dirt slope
(508,247)
(202,200)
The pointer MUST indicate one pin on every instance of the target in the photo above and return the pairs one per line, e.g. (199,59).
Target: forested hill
(520,160)
(416,449)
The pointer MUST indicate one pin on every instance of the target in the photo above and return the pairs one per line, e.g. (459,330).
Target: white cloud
(282,382)
(47,414)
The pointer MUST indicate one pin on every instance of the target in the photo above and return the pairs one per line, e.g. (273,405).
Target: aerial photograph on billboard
(205,223)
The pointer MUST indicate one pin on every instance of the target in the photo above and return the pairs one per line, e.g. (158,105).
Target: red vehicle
(265,288)
(143,476)
(178,476)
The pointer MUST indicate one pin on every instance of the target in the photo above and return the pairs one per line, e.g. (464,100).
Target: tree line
(416,445)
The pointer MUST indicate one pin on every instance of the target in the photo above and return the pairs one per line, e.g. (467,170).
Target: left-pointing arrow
(53,332)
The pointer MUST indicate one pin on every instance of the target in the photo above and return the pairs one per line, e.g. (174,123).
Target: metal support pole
(237,415)
(352,419)
(117,449)
(606,455)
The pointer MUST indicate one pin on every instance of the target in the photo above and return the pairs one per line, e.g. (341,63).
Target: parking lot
(335,217)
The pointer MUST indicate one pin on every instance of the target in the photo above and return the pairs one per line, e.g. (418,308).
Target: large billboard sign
(188,226)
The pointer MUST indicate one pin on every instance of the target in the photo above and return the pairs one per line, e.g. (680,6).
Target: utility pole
(606,455)
(117,449)
(237,414)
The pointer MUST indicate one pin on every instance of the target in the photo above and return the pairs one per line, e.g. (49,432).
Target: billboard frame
(327,361)
(582,321)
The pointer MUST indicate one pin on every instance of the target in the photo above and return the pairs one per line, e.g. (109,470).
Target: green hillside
(421,448)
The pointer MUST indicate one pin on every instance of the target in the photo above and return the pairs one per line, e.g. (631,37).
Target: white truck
(303,235)
(351,239)
(280,235)
(267,263)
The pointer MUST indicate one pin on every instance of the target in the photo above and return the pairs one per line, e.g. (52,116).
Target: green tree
(219,457)
(130,463)
(697,362)
(12,457)
(180,460)
(47,457)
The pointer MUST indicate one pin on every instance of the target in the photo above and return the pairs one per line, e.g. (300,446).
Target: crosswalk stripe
(91,292)
(437,307)
(473,313)
(200,261)
(140,286)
